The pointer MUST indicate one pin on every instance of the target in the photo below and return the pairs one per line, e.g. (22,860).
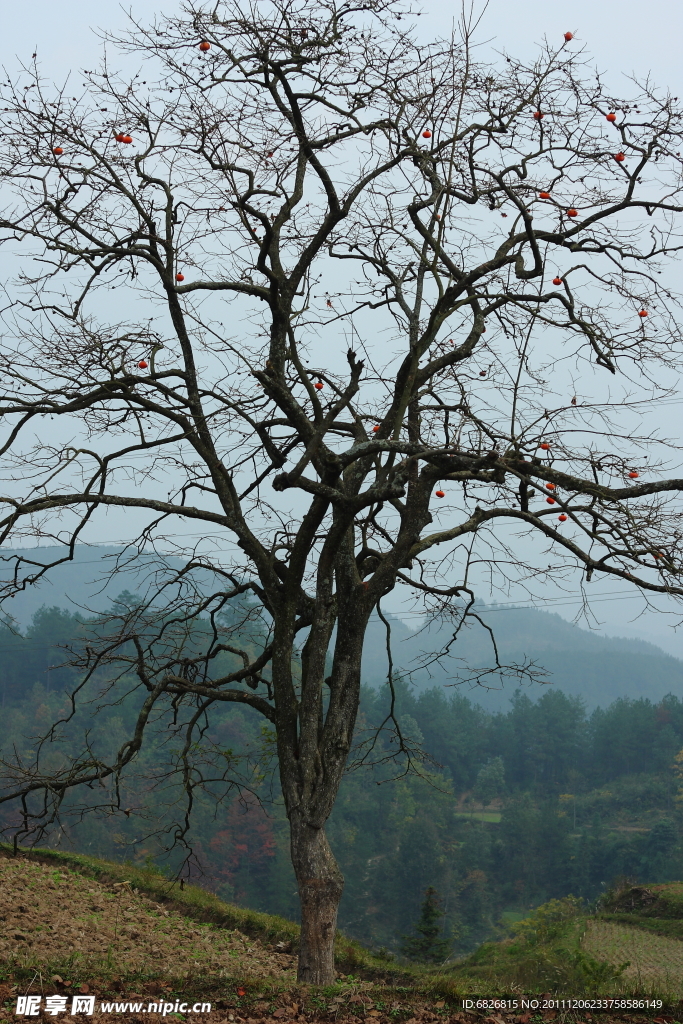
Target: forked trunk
(320,887)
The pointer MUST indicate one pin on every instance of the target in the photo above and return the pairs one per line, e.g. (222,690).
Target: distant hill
(80,585)
(597,668)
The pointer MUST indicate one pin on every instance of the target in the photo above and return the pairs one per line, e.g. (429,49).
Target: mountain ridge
(597,668)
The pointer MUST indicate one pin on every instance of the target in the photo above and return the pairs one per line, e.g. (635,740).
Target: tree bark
(320,884)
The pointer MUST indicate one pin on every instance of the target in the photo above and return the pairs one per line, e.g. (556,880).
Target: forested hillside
(578,661)
(510,809)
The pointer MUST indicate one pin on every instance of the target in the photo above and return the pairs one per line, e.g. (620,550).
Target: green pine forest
(497,812)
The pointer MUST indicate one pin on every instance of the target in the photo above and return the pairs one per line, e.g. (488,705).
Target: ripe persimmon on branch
(344,302)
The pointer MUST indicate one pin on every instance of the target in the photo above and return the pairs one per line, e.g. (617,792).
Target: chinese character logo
(55,1005)
(28,1006)
(82,1004)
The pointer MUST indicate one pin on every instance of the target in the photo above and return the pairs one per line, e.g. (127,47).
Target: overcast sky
(621,38)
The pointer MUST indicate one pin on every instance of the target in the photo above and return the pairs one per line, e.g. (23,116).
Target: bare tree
(278,182)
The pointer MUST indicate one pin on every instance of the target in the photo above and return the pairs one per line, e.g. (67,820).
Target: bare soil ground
(49,915)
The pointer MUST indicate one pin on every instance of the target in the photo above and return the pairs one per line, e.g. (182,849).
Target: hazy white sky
(620,38)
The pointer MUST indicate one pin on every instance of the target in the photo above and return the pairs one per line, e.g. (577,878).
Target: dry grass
(191,901)
(50,916)
(656,963)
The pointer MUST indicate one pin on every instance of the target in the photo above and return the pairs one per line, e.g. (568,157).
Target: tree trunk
(320,887)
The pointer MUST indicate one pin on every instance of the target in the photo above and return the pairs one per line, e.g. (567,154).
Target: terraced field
(52,917)
(655,961)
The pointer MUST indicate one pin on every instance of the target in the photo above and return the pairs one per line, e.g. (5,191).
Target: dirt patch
(635,897)
(50,915)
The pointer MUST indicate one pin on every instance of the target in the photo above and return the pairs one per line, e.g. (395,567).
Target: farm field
(53,917)
(490,816)
(655,961)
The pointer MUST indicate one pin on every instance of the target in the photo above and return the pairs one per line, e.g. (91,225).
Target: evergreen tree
(426,946)
(490,782)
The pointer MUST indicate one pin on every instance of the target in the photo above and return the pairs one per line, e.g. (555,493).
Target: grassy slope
(492,969)
(667,927)
(203,906)
(190,900)
(63,924)
(538,959)
(657,909)
(668,902)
